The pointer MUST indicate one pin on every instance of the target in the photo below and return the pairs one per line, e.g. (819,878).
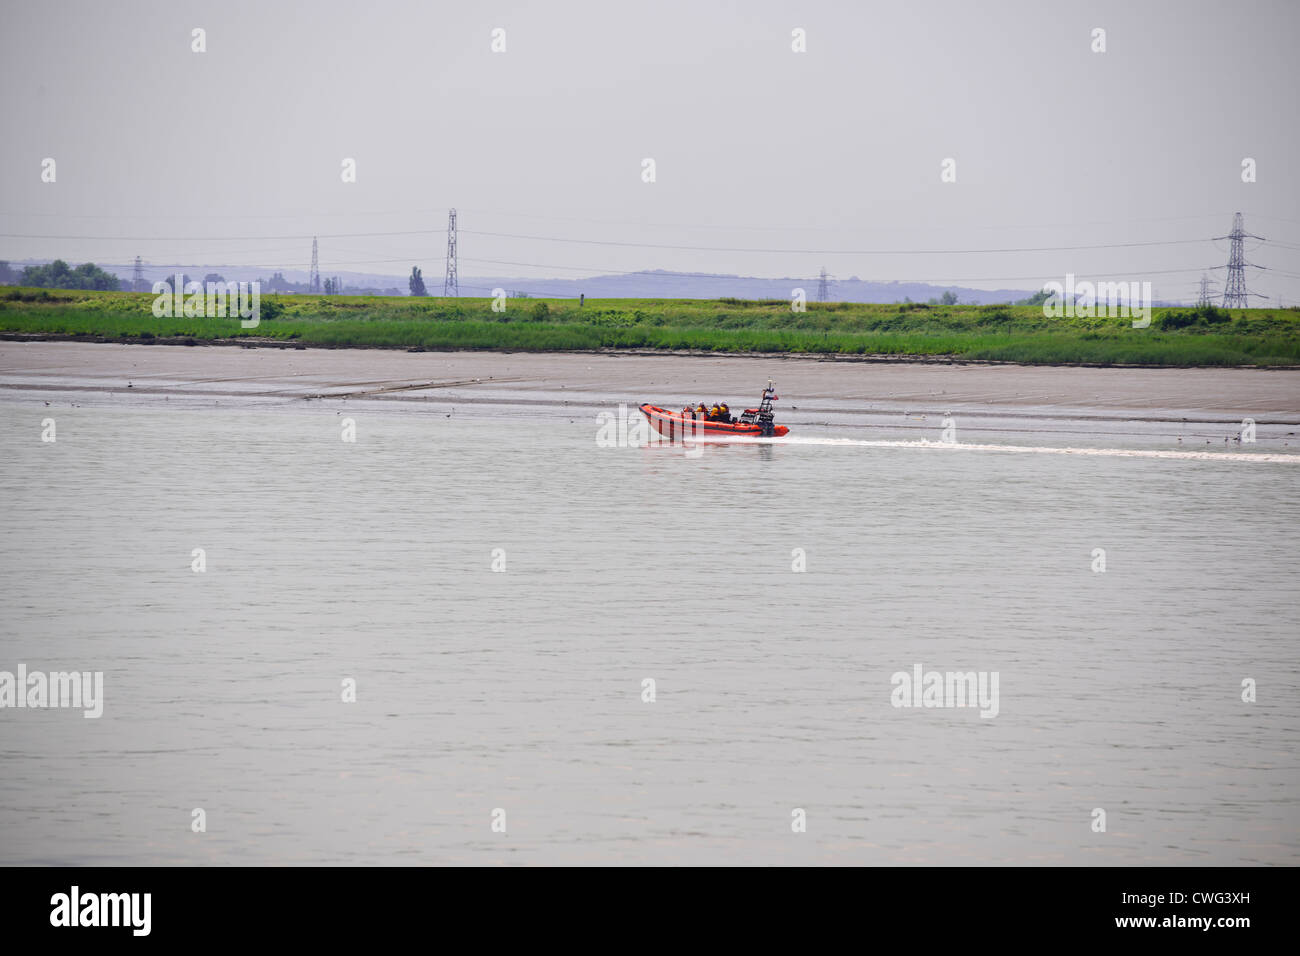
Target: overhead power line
(834,252)
(636,245)
(512,214)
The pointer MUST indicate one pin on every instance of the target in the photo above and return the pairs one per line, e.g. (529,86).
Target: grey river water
(521,689)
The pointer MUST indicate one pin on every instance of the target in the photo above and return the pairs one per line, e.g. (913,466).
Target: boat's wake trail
(1038,449)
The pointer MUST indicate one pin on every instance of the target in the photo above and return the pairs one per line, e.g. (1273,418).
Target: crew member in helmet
(702,413)
(715,413)
(724,413)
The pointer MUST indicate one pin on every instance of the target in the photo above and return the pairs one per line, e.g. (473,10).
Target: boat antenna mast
(763,415)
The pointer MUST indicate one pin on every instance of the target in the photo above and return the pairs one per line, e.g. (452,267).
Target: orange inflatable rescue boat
(754,423)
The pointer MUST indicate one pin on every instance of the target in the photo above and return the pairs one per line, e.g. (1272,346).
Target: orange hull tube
(673,425)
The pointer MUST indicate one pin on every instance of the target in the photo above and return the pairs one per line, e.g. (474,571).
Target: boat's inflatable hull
(673,426)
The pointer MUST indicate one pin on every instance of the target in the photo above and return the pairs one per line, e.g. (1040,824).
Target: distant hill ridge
(647,284)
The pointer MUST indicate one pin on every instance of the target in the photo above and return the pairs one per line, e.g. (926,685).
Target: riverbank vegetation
(1205,336)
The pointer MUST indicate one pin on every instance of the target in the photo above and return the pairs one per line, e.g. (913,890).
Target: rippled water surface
(522,689)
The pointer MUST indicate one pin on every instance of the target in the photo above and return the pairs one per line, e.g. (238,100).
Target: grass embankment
(1179,337)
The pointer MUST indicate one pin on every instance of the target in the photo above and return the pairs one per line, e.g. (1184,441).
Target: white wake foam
(1039,449)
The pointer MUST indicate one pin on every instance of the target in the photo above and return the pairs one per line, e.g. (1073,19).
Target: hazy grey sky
(207,157)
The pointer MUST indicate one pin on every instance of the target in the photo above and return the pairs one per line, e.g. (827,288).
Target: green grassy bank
(1176,337)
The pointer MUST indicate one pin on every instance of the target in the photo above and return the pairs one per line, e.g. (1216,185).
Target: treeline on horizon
(59,275)
(90,277)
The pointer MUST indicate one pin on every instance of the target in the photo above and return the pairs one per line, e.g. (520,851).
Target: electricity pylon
(313,281)
(450,284)
(1235,293)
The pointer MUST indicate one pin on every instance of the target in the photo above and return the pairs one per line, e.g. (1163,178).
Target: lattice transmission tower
(451,284)
(1206,294)
(1235,293)
(313,281)
(823,286)
(137,276)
